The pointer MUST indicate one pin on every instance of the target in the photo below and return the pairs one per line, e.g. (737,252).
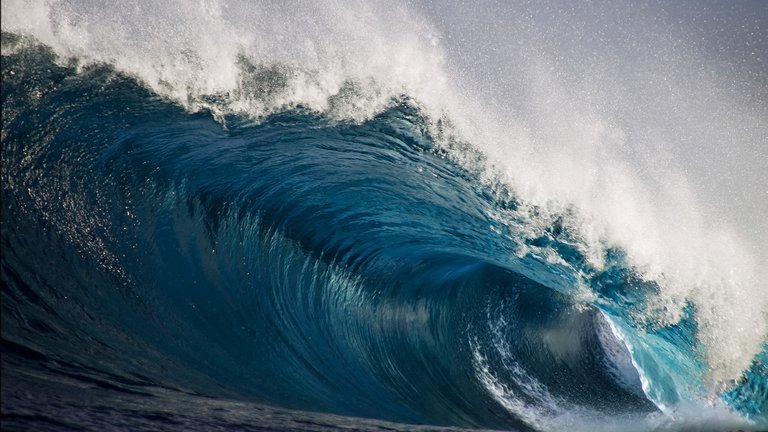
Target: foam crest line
(192,52)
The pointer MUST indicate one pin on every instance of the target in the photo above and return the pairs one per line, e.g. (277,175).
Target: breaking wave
(328,221)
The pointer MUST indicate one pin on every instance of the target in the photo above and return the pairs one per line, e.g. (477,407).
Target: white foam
(664,157)
(529,399)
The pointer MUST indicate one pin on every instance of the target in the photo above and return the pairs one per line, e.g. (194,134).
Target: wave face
(197,257)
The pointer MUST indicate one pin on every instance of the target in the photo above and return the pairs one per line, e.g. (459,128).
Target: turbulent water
(318,217)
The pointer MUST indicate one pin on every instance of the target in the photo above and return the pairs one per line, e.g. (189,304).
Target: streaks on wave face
(348,268)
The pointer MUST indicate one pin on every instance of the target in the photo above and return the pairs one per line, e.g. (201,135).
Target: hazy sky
(685,79)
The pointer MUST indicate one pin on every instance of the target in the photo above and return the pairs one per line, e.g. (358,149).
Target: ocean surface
(212,222)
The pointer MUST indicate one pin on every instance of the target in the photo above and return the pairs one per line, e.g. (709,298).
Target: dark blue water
(163,269)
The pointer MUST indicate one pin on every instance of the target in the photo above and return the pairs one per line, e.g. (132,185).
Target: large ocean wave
(277,231)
